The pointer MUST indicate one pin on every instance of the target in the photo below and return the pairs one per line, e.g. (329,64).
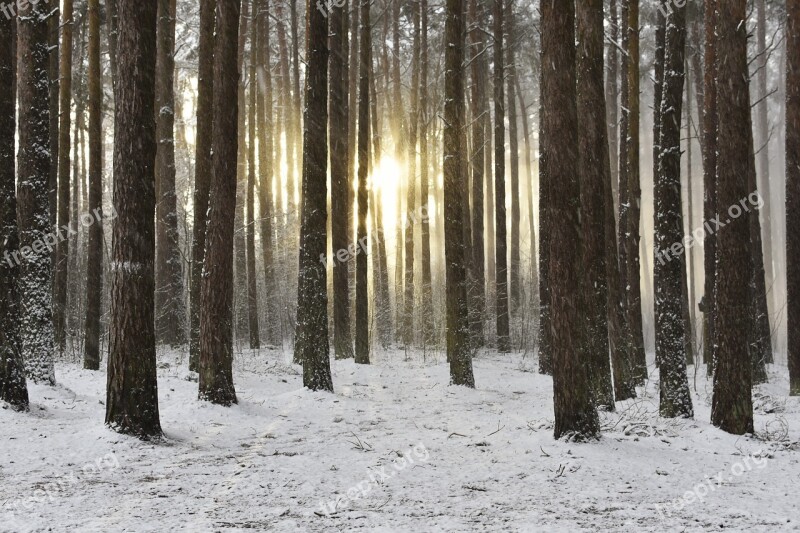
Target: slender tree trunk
(94,261)
(311,338)
(252,284)
(297,156)
(455,184)
(362,303)
(514,287)
(732,406)
(216,303)
(793,191)
(428,331)
(575,414)
(240,313)
(675,399)
(593,173)
(170,315)
(501,250)
(202,169)
(64,146)
(53,25)
(545,317)
(710,146)
(612,91)
(132,394)
(13,387)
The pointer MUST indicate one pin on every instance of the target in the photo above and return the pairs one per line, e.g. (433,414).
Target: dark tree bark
(675,398)
(53,24)
(64,145)
(455,184)
(170,314)
(732,406)
(202,169)
(501,245)
(340,183)
(428,332)
(545,316)
(252,285)
(13,387)
(479,107)
(793,191)
(216,304)
(132,394)
(311,337)
(594,171)
(575,414)
(240,313)
(94,260)
(710,144)
(33,170)
(514,277)
(612,91)
(362,303)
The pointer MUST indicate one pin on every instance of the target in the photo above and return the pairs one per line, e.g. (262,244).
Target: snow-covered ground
(394,449)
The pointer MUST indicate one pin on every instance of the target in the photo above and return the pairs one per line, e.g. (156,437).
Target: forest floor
(394,449)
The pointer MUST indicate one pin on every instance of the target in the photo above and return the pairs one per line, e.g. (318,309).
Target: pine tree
(457,321)
(793,190)
(428,332)
(675,399)
(593,173)
(311,335)
(575,414)
(94,260)
(132,394)
(13,388)
(732,406)
(33,173)
(216,310)
(514,266)
(202,169)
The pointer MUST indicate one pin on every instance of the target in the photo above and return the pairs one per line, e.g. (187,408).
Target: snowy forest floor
(394,449)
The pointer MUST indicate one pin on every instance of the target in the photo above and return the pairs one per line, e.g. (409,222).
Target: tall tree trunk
(297,113)
(285,102)
(793,191)
(169,268)
(13,387)
(340,183)
(266,165)
(216,304)
(501,250)
(362,303)
(132,394)
(64,146)
(710,146)
(612,91)
(428,331)
(202,169)
(575,414)
(675,399)
(33,168)
(311,344)
(593,172)
(732,406)
(94,260)
(514,287)
(53,25)
(240,313)
(252,284)
(455,184)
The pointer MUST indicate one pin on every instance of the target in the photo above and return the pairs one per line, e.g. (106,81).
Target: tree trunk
(612,90)
(455,184)
(675,399)
(501,250)
(311,338)
(793,191)
(362,303)
(514,287)
(132,394)
(170,314)
(250,224)
(216,304)
(575,414)
(33,168)
(732,406)
(94,260)
(340,183)
(240,313)
(202,169)
(13,388)
(593,173)
(428,331)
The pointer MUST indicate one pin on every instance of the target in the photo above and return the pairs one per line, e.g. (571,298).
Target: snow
(394,449)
